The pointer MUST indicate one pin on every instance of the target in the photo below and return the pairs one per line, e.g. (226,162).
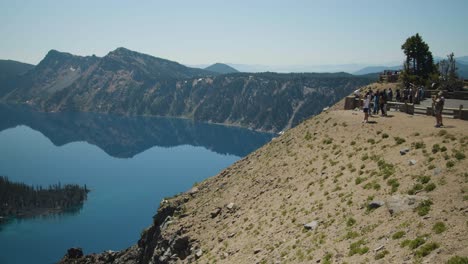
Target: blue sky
(312,32)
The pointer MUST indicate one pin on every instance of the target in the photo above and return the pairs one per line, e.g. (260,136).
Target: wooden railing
(457,113)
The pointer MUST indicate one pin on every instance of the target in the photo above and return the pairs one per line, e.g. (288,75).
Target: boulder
(376,204)
(412,162)
(403,151)
(311,226)
(74,253)
(399,203)
(215,212)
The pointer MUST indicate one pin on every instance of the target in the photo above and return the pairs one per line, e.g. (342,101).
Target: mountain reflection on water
(125,137)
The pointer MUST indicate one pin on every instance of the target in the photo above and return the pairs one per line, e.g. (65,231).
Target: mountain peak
(221,68)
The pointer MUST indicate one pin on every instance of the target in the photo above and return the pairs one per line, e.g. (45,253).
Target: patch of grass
(426,249)
(430,187)
(439,227)
(308,136)
(424,207)
(419,145)
(364,157)
(398,235)
(358,180)
(353,143)
(424,179)
(450,164)
(350,222)
(381,254)
(327,258)
(351,235)
(371,140)
(327,141)
(417,187)
(358,248)
(385,135)
(394,184)
(435,148)
(415,243)
(386,169)
(459,155)
(458,260)
(399,140)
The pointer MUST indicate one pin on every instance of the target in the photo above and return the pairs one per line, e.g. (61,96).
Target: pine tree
(419,63)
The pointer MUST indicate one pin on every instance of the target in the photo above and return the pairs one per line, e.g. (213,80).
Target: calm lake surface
(129,163)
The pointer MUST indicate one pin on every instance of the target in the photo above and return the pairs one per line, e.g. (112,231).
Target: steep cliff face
(330,190)
(131,83)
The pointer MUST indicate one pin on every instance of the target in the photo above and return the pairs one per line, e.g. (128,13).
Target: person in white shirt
(365,107)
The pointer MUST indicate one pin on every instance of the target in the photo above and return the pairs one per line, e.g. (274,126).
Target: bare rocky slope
(331,190)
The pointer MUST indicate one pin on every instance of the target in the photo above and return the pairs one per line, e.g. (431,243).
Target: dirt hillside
(331,190)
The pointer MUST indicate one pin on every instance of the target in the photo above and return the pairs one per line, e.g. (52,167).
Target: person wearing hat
(438,101)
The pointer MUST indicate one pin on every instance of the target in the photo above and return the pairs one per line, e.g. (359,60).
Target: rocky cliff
(330,190)
(130,83)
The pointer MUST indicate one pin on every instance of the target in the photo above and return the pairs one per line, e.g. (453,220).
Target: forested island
(21,200)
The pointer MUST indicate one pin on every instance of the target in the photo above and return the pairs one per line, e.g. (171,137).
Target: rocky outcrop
(159,244)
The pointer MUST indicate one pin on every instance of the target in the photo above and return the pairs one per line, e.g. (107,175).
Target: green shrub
(364,157)
(394,183)
(435,148)
(458,260)
(424,207)
(418,145)
(351,221)
(459,155)
(351,235)
(439,227)
(398,235)
(371,140)
(308,136)
(450,164)
(384,135)
(430,187)
(415,243)
(358,248)
(399,140)
(381,254)
(424,179)
(358,180)
(426,249)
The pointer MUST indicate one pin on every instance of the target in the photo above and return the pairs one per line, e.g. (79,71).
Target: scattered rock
(400,203)
(74,253)
(257,250)
(230,206)
(404,151)
(379,248)
(412,162)
(192,191)
(199,253)
(311,226)
(215,212)
(437,171)
(376,204)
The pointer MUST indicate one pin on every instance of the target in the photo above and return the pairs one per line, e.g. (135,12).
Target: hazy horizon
(272,33)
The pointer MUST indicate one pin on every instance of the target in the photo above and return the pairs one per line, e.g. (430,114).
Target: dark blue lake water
(129,163)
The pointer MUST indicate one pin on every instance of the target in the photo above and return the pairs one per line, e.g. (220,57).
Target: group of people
(375,101)
(410,95)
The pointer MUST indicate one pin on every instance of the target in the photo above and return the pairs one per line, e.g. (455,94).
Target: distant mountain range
(130,83)
(221,68)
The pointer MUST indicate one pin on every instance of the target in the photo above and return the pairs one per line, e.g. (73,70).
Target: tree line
(17,199)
